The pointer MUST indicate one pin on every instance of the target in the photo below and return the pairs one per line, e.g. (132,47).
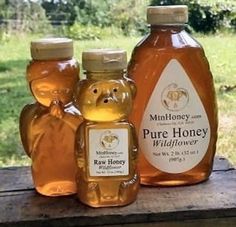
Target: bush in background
(129,17)
(93,19)
(22,16)
(206,16)
(90,32)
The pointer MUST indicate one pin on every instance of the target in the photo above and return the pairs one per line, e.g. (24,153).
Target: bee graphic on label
(174,98)
(109,140)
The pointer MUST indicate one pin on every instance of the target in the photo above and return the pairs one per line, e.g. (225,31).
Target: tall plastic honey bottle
(48,126)
(106,145)
(175,111)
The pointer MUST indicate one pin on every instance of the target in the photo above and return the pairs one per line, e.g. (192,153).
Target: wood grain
(15,179)
(211,202)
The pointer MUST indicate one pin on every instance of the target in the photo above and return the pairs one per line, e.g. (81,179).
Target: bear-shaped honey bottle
(106,145)
(48,126)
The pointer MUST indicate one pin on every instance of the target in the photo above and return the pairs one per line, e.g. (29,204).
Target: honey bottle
(48,126)
(175,111)
(106,146)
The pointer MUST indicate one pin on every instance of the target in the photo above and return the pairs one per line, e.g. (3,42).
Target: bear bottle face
(53,88)
(108,100)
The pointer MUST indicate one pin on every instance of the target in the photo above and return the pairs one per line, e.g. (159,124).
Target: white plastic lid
(51,48)
(104,59)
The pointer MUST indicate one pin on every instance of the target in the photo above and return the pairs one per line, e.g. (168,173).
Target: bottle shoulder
(164,41)
(43,66)
(29,110)
(160,49)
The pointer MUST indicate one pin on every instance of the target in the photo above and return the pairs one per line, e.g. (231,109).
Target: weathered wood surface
(212,203)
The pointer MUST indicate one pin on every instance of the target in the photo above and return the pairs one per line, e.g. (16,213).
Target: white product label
(175,132)
(108,152)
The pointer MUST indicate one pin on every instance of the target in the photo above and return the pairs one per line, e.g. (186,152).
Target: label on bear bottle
(108,152)
(175,132)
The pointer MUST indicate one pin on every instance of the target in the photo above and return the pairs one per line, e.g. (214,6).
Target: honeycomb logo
(174,98)
(109,140)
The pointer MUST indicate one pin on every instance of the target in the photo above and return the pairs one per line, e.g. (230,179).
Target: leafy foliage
(87,19)
(91,32)
(22,16)
(96,19)
(59,12)
(114,13)
(205,16)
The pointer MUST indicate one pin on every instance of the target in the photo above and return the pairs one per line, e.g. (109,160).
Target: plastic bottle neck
(162,28)
(105,75)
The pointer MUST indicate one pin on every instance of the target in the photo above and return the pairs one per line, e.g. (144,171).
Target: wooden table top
(212,203)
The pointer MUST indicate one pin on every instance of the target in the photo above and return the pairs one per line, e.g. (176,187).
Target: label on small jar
(108,152)
(175,132)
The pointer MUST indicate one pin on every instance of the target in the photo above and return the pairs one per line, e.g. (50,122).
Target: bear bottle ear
(132,87)
(77,91)
(76,94)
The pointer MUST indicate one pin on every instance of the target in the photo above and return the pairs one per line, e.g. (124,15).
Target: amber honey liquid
(106,145)
(48,126)
(101,187)
(150,57)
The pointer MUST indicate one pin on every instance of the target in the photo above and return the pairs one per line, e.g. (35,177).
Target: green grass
(14,92)
(221,54)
